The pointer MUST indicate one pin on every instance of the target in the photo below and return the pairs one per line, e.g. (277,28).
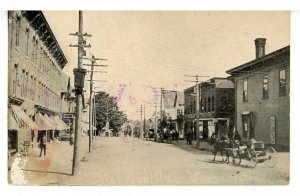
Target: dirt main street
(132,161)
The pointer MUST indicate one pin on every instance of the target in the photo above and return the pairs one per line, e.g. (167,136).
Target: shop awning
(51,121)
(12,123)
(61,124)
(21,116)
(246,112)
(43,123)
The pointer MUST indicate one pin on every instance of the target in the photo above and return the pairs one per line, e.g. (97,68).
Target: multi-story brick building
(262,89)
(36,81)
(216,106)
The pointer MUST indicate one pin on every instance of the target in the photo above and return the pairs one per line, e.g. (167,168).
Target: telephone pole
(161,96)
(93,63)
(144,121)
(197,107)
(141,119)
(79,85)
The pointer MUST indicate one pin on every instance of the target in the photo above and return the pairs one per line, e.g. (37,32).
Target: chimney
(260,47)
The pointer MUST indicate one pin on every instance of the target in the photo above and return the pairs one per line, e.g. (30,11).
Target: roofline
(55,40)
(260,59)
(65,61)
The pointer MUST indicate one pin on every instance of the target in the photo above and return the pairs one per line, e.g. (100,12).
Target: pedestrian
(42,145)
(32,137)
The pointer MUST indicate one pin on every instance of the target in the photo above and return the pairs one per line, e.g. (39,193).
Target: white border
(292,189)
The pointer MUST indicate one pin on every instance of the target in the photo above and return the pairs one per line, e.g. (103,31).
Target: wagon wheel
(252,157)
(271,157)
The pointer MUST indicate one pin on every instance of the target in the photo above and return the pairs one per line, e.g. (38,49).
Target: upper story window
(201,105)
(208,104)
(265,87)
(282,82)
(27,40)
(204,109)
(212,103)
(18,28)
(245,90)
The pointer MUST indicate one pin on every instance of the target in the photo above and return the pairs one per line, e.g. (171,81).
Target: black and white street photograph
(148,98)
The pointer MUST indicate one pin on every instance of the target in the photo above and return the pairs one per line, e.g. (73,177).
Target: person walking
(42,145)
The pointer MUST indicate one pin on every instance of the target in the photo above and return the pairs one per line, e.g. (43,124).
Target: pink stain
(121,90)
(155,94)
(132,100)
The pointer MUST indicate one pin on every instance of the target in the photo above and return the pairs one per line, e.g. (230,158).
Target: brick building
(262,89)
(216,112)
(36,83)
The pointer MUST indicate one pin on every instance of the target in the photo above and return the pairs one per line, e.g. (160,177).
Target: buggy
(256,153)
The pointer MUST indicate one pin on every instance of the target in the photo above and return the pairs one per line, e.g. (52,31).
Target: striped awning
(51,121)
(21,117)
(43,123)
(61,124)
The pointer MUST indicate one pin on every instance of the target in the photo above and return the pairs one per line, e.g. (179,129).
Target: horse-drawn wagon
(255,152)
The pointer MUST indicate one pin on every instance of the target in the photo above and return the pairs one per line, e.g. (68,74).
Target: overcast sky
(156,49)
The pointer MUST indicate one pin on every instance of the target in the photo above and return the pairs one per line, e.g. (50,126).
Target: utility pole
(161,96)
(94,113)
(93,63)
(141,119)
(197,107)
(90,108)
(144,121)
(79,85)
(155,122)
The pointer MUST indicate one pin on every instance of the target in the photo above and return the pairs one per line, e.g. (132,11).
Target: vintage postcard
(148,98)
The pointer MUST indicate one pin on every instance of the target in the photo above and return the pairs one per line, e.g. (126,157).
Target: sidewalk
(36,170)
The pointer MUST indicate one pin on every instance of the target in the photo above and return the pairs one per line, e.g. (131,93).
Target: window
(27,41)
(194,107)
(201,105)
(265,87)
(18,27)
(213,103)
(23,83)
(282,83)
(245,91)
(245,121)
(205,104)
(15,82)
(208,106)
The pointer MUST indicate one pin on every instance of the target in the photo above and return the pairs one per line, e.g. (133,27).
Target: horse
(150,135)
(220,146)
(166,135)
(174,135)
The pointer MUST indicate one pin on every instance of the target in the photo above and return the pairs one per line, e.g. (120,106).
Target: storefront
(20,128)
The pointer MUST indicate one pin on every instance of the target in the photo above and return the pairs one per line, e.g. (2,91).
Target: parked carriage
(255,153)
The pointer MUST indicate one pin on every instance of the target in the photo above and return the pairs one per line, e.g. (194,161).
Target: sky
(149,50)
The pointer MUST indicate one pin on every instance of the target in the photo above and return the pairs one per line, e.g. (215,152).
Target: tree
(107,110)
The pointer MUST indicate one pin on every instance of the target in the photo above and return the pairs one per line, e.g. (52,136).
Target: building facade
(216,107)
(262,89)
(36,82)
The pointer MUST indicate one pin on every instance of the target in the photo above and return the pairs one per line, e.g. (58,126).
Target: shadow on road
(50,172)
(188,148)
